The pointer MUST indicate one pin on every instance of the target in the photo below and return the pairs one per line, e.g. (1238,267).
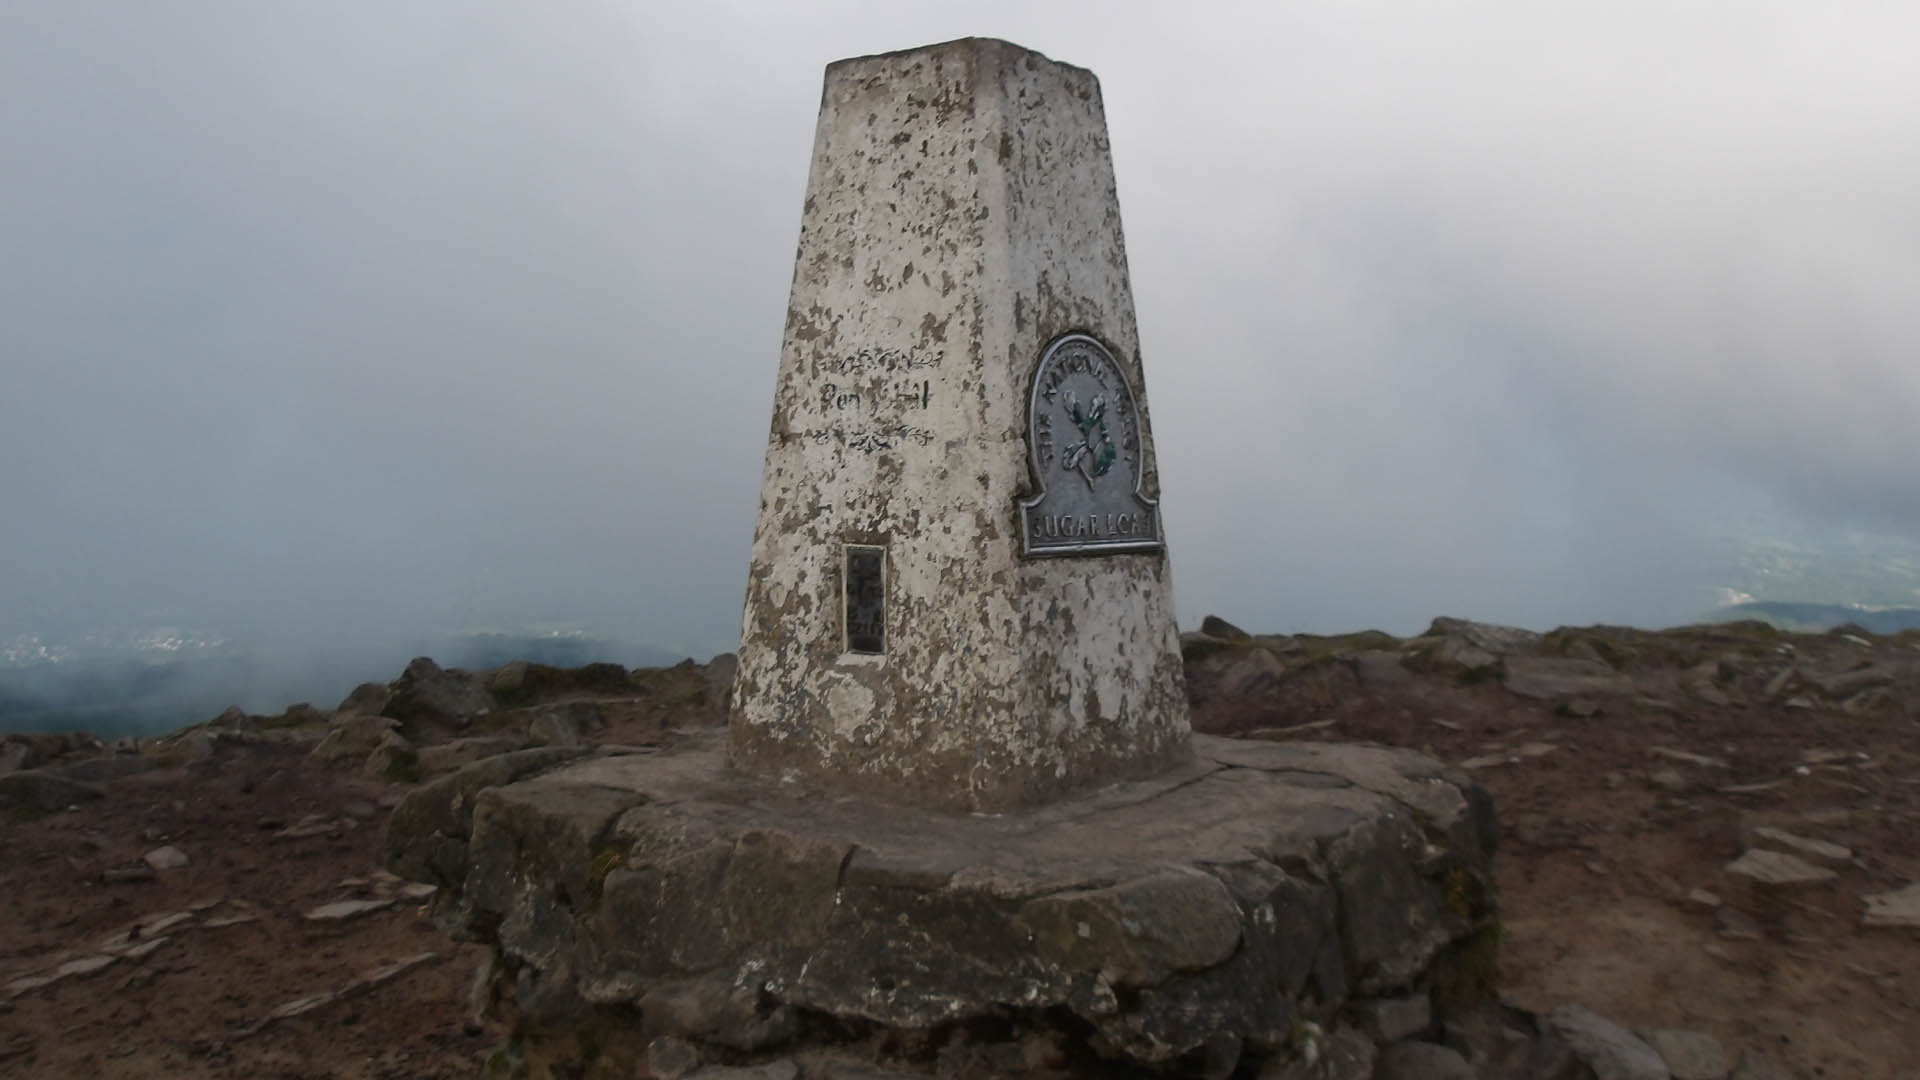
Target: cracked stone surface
(1235,894)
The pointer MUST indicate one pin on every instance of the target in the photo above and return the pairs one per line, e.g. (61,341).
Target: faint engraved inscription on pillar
(873,400)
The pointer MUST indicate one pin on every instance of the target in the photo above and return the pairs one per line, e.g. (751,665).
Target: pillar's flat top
(956,43)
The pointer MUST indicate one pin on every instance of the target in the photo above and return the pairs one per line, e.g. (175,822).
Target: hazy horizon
(345,327)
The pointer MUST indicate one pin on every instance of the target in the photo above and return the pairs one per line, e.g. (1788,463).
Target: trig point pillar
(959,594)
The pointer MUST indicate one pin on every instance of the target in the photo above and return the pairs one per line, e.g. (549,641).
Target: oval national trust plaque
(1085,448)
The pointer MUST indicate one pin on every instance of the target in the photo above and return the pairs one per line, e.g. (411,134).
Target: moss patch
(605,862)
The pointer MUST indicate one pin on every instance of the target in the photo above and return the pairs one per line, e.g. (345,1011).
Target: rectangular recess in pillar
(864,590)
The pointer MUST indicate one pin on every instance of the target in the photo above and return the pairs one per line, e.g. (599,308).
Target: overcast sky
(360,319)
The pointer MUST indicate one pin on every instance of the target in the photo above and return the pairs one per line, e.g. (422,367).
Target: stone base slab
(1224,906)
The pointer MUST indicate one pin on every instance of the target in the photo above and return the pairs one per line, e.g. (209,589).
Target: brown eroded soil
(1603,839)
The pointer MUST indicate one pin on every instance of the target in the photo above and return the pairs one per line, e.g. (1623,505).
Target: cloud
(378,321)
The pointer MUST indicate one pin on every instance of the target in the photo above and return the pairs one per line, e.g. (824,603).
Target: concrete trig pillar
(959,594)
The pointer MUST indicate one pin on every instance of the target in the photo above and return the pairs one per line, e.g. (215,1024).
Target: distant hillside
(127,693)
(1819,617)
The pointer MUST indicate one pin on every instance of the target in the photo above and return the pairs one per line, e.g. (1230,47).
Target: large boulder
(352,737)
(1546,678)
(233,725)
(427,694)
(1612,1052)
(369,698)
(1216,627)
(17,754)
(1491,639)
(43,791)
(459,753)
(719,673)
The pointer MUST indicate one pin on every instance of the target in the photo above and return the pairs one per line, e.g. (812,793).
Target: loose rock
(342,910)
(1774,868)
(1803,846)
(1545,678)
(1605,1047)
(670,1058)
(1900,908)
(166,858)
(1389,1020)
(1690,1055)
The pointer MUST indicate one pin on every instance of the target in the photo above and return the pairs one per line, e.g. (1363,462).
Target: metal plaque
(1085,449)
(866,599)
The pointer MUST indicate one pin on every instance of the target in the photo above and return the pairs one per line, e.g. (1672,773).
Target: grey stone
(367,698)
(1340,1054)
(1245,672)
(85,965)
(234,720)
(1389,1020)
(1489,637)
(1804,847)
(301,714)
(1168,914)
(1779,683)
(427,694)
(670,1058)
(508,680)
(1772,868)
(1381,667)
(553,728)
(1690,1055)
(1216,627)
(1848,683)
(1670,780)
(718,1013)
(167,858)
(1702,760)
(1421,1061)
(428,830)
(15,756)
(719,673)
(1900,908)
(352,737)
(342,910)
(1801,846)
(393,758)
(460,753)
(1603,1046)
(1547,677)
(44,791)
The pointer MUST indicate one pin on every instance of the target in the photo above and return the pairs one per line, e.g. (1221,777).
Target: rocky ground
(1706,830)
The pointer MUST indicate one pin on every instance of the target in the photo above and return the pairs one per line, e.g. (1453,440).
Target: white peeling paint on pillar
(960,217)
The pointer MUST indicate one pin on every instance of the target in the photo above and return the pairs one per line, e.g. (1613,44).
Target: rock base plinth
(1238,905)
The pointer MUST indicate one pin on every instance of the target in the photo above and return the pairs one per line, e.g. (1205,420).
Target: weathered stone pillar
(959,595)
